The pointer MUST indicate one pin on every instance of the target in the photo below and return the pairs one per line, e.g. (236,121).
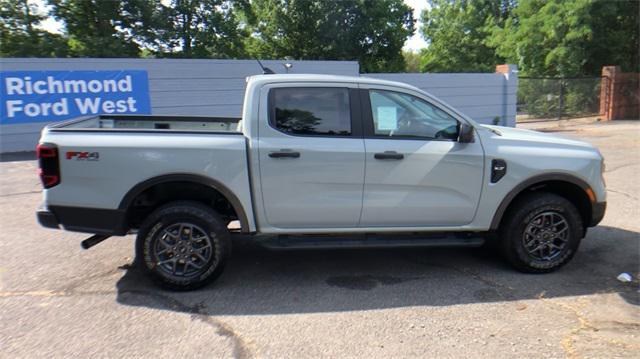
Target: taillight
(49,164)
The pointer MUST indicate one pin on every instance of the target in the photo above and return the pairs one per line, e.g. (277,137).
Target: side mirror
(466,134)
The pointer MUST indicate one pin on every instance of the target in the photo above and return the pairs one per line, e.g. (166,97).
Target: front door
(312,157)
(417,174)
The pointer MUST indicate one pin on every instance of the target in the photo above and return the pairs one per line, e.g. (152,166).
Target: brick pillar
(607,91)
(509,94)
(503,69)
(619,94)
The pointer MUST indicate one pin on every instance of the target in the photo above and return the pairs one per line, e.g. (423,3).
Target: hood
(519,134)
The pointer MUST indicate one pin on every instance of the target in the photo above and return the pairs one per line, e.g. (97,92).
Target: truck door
(311,155)
(417,174)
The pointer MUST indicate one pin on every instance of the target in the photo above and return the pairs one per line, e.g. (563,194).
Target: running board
(370,241)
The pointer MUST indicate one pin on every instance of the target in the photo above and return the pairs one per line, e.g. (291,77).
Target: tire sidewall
(192,213)
(514,246)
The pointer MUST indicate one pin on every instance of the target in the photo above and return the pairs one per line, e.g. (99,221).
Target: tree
(456,32)
(411,60)
(616,36)
(370,31)
(96,28)
(188,28)
(570,37)
(21,35)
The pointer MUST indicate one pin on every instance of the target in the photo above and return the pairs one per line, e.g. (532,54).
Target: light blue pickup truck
(318,161)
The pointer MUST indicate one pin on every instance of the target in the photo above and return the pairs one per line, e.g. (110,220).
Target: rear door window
(311,111)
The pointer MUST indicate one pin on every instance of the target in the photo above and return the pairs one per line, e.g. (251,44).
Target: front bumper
(597,213)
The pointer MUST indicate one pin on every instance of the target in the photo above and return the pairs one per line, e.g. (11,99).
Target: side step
(370,241)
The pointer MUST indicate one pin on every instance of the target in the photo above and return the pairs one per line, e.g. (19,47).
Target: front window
(397,114)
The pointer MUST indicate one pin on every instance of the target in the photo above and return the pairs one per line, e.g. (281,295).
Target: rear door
(311,155)
(417,174)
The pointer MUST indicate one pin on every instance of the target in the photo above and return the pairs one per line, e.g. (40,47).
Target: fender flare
(508,199)
(128,198)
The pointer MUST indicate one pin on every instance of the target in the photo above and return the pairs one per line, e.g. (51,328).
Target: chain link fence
(552,99)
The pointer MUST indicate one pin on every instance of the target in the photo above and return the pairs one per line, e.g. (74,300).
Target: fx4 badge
(83,156)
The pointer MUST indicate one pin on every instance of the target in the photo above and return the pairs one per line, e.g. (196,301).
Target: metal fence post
(561,100)
(509,94)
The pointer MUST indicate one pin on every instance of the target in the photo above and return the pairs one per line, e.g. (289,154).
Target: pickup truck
(318,161)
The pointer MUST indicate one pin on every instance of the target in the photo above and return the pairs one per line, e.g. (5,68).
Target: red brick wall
(619,94)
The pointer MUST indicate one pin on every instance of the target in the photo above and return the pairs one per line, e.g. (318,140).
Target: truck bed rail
(149,123)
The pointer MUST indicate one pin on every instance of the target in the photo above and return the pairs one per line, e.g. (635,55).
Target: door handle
(388,155)
(284,154)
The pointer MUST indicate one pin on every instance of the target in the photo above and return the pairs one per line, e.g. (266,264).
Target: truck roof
(325,78)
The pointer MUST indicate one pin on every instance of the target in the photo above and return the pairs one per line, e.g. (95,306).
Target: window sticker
(387,118)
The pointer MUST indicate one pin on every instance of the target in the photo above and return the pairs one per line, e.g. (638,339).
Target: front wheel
(183,245)
(541,232)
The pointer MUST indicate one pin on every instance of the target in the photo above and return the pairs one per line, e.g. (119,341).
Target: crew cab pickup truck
(318,161)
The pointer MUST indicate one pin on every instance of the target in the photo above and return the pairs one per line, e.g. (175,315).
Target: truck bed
(102,158)
(149,123)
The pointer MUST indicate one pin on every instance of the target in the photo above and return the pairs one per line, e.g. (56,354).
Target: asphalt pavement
(57,300)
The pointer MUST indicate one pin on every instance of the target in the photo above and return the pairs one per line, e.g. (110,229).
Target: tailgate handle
(284,154)
(388,155)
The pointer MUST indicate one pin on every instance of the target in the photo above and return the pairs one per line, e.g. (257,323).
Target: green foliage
(188,28)
(582,96)
(570,37)
(20,35)
(547,97)
(370,31)
(412,61)
(92,27)
(544,37)
(539,97)
(616,36)
(457,33)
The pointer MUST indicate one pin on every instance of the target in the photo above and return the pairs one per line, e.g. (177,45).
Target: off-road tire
(170,225)
(526,214)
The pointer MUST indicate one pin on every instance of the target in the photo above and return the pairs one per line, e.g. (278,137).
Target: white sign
(387,118)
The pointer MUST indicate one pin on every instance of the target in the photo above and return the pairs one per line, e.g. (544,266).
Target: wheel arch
(140,188)
(568,186)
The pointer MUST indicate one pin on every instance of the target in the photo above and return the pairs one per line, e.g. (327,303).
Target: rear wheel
(541,233)
(183,245)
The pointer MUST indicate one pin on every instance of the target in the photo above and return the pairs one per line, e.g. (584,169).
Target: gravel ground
(59,301)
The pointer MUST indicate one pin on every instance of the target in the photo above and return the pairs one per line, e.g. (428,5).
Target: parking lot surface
(57,300)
